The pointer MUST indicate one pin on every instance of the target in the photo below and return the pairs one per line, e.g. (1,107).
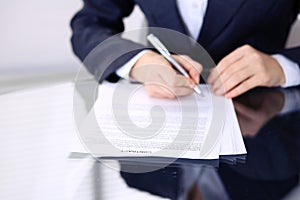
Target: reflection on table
(37,128)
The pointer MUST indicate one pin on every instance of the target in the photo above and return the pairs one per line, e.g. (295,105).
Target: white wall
(294,38)
(35,35)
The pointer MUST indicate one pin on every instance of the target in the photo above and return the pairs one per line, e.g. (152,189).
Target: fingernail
(192,84)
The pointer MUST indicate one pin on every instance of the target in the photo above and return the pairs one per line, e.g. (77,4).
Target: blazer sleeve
(96,22)
(293,53)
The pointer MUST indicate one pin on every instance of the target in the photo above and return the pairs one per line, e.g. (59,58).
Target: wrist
(291,70)
(141,61)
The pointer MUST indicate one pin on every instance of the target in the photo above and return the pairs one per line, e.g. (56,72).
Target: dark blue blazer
(228,24)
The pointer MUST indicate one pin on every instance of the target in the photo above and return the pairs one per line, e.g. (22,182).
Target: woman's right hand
(161,80)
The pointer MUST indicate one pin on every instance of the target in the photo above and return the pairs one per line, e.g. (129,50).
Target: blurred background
(35,50)
(35,44)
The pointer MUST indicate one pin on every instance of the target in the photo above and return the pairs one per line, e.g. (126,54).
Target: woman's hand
(244,69)
(160,78)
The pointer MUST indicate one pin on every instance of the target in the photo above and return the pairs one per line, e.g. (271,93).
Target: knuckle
(196,66)
(256,57)
(224,62)
(225,75)
(184,56)
(247,47)
(238,76)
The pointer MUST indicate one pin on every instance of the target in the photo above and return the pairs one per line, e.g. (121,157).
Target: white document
(126,122)
(232,141)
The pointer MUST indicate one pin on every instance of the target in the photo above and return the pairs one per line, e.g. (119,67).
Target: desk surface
(37,129)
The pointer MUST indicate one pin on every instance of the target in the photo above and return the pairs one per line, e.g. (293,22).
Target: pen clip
(165,52)
(157,44)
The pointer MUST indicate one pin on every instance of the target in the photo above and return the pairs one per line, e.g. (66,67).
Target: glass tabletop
(37,129)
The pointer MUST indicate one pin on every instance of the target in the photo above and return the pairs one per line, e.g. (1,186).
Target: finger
(243,87)
(168,83)
(233,57)
(233,75)
(181,85)
(182,81)
(182,91)
(213,76)
(233,81)
(159,91)
(226,62)
(188,62)
(164,74)
(218,86)
(234,69)
(172,79)
(191,66)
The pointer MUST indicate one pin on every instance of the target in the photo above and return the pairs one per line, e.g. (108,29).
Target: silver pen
(167,55)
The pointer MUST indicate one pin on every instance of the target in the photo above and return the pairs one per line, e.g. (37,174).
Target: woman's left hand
(244,69)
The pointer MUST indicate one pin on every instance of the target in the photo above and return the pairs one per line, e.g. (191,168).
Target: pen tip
(198,91)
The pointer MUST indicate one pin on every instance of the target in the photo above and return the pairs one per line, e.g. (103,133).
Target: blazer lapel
(168,15)
(218,15)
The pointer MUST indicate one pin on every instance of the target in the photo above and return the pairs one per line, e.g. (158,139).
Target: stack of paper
(126,122)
